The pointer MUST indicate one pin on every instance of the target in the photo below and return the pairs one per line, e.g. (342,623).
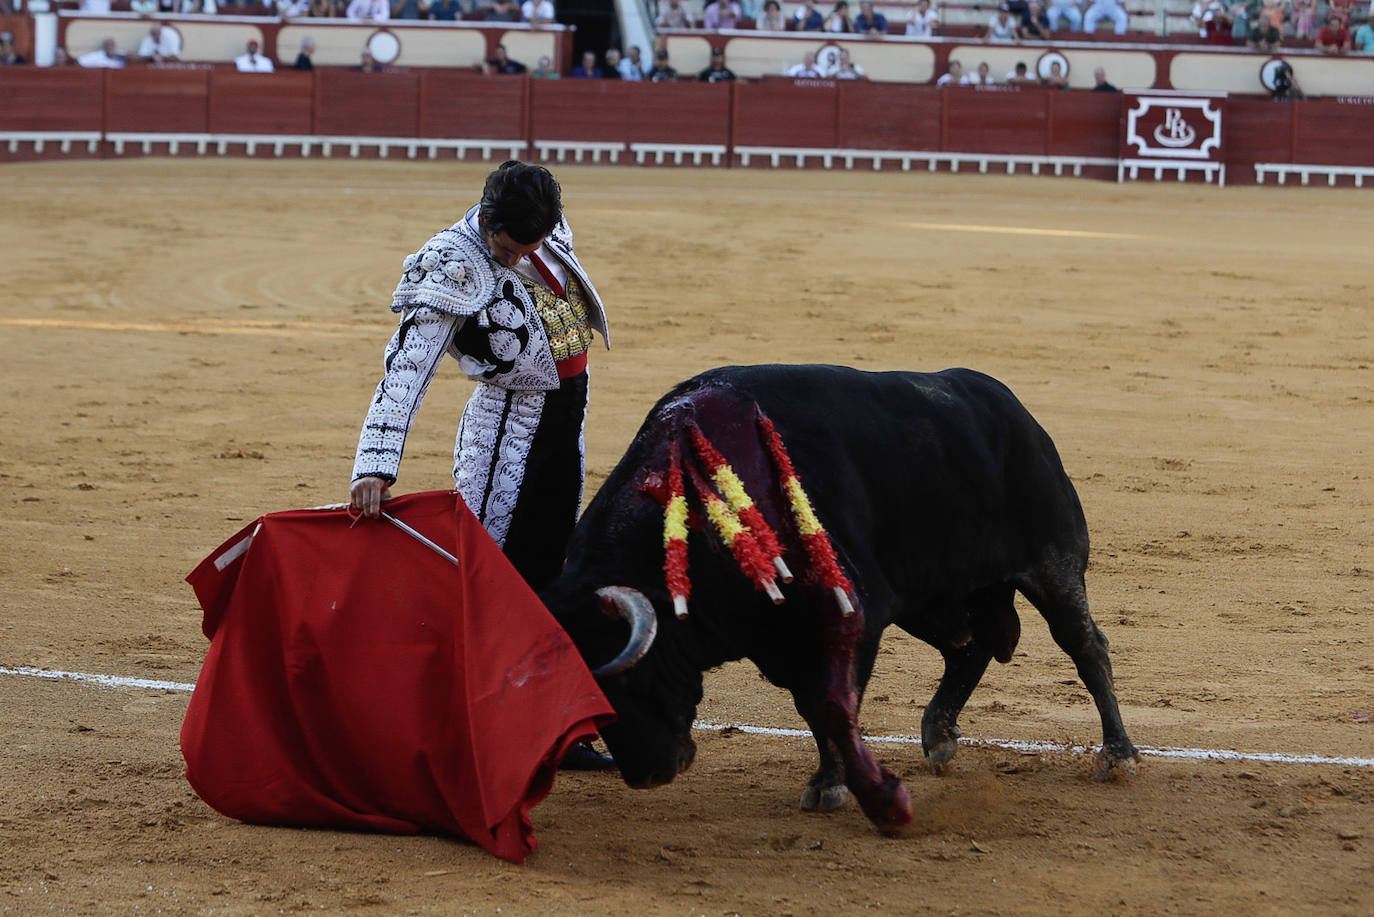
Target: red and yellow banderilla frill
(736,535)
(814,538)
(675,534)
(732,489)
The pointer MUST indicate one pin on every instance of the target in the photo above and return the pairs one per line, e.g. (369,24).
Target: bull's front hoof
(940,754)
(824,798)
(1111,766)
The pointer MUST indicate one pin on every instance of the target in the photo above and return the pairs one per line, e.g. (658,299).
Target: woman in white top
(982,78)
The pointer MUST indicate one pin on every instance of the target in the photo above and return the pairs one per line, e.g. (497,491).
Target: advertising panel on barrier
(1172,132)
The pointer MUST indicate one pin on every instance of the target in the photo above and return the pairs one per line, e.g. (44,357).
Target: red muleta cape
(356,679)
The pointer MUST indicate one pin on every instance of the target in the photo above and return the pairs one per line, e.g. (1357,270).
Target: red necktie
(547,274)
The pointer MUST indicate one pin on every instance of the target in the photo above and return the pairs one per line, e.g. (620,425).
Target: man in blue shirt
(869,22)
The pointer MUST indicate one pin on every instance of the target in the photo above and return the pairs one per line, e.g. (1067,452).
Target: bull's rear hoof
(887,805)
(824,799)
(1115,767)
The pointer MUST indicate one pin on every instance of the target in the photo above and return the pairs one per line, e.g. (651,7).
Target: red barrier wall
(1082,123)
(260,103)
(162,101)
(367,104)
(580,109)
(787,113)
(895,116)
(775,112)
(457,103)
(48,99)
(678,113)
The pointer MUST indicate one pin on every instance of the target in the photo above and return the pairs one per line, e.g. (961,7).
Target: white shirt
(167,44)
(946,80)
(95,6)
(542,10)
(630,71)
(293,9)
(922,25)
(253,63)
(1000,31)
(376,10)
(973,79)
(803,70)
(98,58)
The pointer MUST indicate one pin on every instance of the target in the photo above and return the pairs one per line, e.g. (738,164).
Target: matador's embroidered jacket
(453,298)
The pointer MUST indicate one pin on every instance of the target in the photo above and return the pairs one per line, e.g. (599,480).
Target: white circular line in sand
(1196,754)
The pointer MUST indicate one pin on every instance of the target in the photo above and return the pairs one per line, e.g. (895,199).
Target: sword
(420,538)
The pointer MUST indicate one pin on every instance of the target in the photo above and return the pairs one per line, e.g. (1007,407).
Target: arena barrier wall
(774,122)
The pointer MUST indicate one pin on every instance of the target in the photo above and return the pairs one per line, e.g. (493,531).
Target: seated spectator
(1268,29)
(445,10)
(717,72)
(630,68)
(1002,27)
(1106,9)
(369,10)
(1343,8)
(502,11)
(869,23)
(405,9)
(160,45)
(1019,77)
(326,9)
(1066,10)
(1056,78)
(982,78)
(838,20)
(807,69)
(720,14)
(9,55)
(1304,18)
(537,12)
(662,71)
(107,55)
(1335,38)
(1035,24)
(923,22)
(143,7)
(1216,25)
(671,15)
(952,75)
(808,18)
(772,19)
(368,63)
(587,70)
(93,6)
(612,69)
(305,60)
(253,62)
(500,63)
(286,9)
(1198,16)
(544,70)
(847,69)
(1364,37)
(1100,83)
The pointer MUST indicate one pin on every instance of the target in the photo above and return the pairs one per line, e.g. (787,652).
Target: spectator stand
(219,38)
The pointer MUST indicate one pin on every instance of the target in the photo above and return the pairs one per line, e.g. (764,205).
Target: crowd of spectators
(1264,24)
(535,12)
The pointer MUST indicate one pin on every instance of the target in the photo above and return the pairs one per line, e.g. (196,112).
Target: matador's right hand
(367,495)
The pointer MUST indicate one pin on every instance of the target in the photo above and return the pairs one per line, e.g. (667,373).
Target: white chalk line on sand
(1195,754)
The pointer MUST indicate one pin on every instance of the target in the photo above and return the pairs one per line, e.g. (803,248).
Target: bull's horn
(630,604)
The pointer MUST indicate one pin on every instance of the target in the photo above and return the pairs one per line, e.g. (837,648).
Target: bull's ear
(630,605)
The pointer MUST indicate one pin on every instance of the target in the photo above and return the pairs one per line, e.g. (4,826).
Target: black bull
(942,497)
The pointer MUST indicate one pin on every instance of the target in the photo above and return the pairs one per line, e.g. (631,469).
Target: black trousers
(551,491)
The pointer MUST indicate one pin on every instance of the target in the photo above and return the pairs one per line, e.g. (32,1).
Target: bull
(940,497)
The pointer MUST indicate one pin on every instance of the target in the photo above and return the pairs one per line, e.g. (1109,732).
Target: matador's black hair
(521,200)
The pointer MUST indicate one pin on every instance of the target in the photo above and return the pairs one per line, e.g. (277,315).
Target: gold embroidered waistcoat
(565,320)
